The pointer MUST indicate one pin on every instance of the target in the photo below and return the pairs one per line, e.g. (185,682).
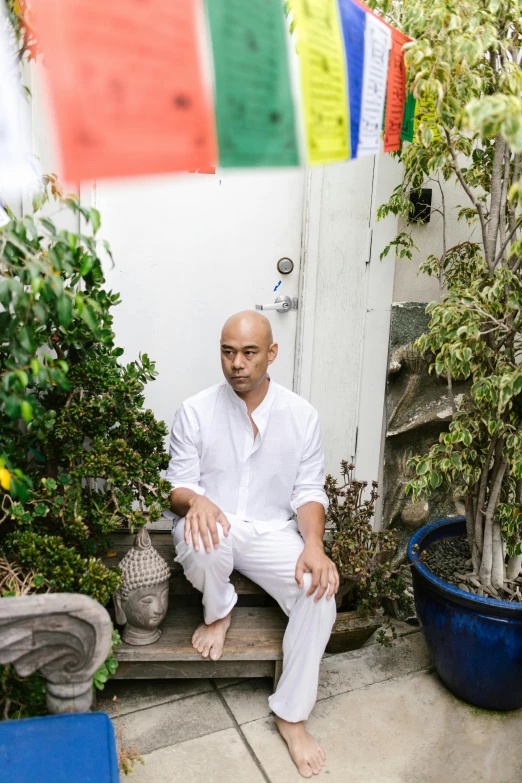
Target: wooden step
(162,541)
(253,647)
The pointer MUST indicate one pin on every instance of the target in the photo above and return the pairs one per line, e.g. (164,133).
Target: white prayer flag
(17,176)
(377,44)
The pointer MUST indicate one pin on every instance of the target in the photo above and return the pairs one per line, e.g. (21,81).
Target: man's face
(246,353)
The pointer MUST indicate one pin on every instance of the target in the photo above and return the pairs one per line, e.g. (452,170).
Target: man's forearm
(311,521)
(181,500)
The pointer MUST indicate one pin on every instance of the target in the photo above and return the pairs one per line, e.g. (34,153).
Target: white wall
(409,286)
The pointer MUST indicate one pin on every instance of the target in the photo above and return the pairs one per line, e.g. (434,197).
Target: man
(245,456)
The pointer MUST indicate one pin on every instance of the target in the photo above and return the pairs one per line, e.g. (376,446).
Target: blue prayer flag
(353,21)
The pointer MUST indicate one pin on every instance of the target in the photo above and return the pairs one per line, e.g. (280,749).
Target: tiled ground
(382,716)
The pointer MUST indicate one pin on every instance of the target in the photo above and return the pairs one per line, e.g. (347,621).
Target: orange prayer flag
(127,86)
(395,92)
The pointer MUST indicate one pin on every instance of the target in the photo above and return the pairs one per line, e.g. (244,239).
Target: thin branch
(471,195)
(508,240)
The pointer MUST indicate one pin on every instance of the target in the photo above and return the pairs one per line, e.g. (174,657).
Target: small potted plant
(465,58)
(363,559)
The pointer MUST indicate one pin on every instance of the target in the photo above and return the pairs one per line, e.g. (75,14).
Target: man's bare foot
(307,755)
(209,639)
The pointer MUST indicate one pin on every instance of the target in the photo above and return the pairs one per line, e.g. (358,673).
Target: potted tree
(466,59)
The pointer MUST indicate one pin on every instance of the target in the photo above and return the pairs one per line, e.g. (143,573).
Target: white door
(190,251)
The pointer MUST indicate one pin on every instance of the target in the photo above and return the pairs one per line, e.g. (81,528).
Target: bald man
(246,458)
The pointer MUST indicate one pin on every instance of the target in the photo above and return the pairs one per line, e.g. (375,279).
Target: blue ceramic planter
(475,642)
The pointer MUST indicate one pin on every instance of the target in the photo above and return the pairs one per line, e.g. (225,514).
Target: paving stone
(219,758)
(177,721)
(135,695)
(405,730)
(358,668)
(339,674)
(249,700)
(226,682)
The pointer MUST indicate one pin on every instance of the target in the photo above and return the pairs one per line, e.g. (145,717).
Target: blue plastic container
(58,749)
(475,642)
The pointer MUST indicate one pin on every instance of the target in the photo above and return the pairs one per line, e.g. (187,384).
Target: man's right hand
(202,519)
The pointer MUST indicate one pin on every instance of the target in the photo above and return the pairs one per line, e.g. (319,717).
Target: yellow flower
(5,479)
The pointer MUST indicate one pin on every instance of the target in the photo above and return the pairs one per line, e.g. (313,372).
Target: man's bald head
(249,323)
(247,348)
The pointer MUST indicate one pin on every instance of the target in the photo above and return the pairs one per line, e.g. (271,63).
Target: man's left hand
(313,560)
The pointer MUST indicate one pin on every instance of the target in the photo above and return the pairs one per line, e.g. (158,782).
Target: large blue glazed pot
(475,642)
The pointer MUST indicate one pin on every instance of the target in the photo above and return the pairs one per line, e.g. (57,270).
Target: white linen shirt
(262,480)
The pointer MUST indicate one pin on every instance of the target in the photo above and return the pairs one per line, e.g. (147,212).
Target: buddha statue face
(141,603)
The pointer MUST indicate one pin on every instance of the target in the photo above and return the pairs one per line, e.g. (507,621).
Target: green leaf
(26,410)
(89,317)
(12,407)
(87,264)
(64,306)
(435,479)
(26,339)
(422,467)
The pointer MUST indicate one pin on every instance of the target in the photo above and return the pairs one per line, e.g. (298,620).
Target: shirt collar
(261,413)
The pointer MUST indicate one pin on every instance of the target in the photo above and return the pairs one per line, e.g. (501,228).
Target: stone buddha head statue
(142,600)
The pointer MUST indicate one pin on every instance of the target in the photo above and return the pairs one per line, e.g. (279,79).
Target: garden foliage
(466,57)
(80,456)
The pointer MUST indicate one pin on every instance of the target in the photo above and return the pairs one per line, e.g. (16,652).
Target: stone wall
(418,409)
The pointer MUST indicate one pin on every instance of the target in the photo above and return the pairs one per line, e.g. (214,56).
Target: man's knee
(307,581)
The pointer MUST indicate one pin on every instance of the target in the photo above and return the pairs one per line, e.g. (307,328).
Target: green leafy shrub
(79,454)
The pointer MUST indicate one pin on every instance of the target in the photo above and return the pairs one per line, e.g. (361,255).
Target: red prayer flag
(395,92)
(127,86)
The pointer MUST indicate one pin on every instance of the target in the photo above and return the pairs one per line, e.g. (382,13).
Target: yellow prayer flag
(426,111)
(323,78)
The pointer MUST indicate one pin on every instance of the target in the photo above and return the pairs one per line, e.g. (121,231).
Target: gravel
(450,559)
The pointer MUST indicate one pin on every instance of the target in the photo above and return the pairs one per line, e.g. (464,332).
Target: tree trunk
(480,512)
(495,204)
(513,567)
(497,566)
(486,565)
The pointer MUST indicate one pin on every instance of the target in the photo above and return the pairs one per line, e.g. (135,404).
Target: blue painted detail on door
(475,642)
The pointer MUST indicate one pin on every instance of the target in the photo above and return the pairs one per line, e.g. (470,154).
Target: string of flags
(161,86)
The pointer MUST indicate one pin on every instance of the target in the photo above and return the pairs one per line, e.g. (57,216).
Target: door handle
(282,304)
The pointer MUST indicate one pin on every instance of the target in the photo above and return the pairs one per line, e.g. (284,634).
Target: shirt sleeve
(309,484)
(184,469)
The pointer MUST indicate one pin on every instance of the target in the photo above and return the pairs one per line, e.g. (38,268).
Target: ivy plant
(466,59)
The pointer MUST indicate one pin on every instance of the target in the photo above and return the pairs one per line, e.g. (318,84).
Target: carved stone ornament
(65,637)
(142,601)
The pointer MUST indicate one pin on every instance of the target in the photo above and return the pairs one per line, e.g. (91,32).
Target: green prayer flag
(254,106)
(408,122)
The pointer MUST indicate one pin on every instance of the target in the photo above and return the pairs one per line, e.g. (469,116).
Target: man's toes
(322,755)
(305,770)
(205,651)
(215,653)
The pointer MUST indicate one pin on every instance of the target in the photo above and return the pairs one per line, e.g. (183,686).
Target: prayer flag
(377,41)
(127,85)
(395,92)
(323,78)
(254,107)
(426,112)
(353,20)
(408,119)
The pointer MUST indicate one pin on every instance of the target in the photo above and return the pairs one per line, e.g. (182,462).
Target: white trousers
(269,559)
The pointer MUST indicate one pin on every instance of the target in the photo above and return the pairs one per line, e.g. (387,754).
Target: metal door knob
(282,304)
